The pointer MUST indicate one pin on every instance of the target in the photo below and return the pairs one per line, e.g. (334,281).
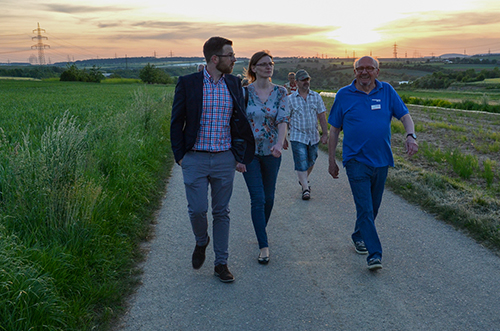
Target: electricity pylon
(40,45)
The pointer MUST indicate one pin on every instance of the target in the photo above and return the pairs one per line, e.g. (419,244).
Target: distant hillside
(452,55)
(123,62)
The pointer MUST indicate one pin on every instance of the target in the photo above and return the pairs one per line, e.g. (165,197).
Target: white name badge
(376,107)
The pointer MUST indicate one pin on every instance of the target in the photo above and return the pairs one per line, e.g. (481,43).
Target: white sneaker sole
(375,267)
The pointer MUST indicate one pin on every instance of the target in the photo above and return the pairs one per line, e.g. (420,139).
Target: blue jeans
(367,186)
(261,176)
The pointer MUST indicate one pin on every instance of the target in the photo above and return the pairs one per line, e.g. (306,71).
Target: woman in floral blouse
(268,114)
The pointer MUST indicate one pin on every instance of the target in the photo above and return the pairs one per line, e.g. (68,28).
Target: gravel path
(434,277)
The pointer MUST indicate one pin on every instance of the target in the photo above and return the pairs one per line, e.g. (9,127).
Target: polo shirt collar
(378,86)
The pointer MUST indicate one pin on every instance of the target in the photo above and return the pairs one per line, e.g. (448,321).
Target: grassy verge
(81,174)
(451,200)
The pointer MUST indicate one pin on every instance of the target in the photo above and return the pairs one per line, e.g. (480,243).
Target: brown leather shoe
(223,273)
(199,255)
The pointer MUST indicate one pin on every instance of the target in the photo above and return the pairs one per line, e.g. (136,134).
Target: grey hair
(375,61)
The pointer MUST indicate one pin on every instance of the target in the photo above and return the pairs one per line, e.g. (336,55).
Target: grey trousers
(200,169)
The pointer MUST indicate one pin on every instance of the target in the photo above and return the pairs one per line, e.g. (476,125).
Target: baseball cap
(301,75)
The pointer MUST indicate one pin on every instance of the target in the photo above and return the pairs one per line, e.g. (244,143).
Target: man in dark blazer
(210,134)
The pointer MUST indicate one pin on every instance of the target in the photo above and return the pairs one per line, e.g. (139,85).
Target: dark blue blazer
(186,116)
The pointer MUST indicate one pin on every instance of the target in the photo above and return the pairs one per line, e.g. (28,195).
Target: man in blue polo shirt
(363,110)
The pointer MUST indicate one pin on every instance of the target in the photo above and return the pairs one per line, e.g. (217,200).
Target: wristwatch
(414,136)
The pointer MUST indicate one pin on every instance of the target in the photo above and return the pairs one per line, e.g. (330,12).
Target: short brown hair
(213,46)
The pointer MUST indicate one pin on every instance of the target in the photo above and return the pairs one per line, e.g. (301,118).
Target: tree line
(73,74)
(443,79)
(149,74)
(333,76)
(38,72)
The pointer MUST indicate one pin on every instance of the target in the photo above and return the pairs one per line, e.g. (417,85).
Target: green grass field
(477,96)
(81,173)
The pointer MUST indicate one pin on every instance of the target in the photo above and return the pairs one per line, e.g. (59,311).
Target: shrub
(150,74)
(73,74)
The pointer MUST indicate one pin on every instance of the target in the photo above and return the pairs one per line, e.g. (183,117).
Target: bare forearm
(332,143)
(411,143)
(323,123)
(282,131)
(408,123)
(276,149)
(333,168)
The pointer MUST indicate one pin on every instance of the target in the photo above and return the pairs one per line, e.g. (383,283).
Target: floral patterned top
(265,117)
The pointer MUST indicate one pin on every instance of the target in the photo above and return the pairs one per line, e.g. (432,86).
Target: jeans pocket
(356,171)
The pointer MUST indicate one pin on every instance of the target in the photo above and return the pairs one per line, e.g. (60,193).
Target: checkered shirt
(304,117)
(215,131)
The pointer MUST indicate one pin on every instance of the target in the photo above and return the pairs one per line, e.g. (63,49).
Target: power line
(65,43)
(40,45)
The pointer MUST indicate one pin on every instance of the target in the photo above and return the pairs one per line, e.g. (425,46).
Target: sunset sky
(78,30)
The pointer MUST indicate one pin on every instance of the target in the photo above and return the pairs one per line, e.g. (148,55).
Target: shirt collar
(378,86)
(208,77)
(296,93)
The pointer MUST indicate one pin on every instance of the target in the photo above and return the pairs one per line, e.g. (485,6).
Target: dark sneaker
(199,255)
(223,273)
(360,247)
(374,264)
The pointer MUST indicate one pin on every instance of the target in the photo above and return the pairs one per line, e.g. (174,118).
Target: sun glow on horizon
(350,36)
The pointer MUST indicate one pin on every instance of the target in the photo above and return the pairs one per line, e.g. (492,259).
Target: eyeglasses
(368,69)
(265,64)
(232,55)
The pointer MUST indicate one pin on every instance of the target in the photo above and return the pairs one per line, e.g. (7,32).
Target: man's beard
(225,69)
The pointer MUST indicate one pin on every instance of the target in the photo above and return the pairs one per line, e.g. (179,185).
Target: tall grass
(464,165)
(76,199)
(28,299)
(488,173)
